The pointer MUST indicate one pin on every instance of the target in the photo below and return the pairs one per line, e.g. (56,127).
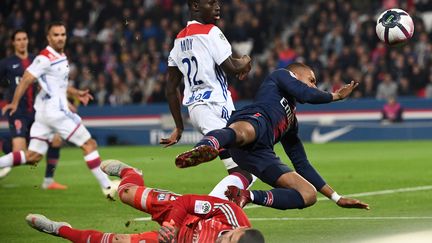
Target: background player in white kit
(201,55)
(51,69)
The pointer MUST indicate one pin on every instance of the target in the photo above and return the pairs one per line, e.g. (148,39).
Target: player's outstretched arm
(342,201)
(83,96)
(240,67)
(173,96)
(345,91)
(24,83)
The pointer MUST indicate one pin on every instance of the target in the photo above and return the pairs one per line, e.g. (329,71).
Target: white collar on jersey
(58,55)
(193,22)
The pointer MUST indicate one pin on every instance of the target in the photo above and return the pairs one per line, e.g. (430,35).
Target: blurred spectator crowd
(119,48)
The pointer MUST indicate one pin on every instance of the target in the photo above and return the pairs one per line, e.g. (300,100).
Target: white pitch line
(340,218)
(373,193)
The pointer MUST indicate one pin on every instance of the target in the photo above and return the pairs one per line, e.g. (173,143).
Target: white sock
(222,186)
(93,161)
(8,159)
(103,179)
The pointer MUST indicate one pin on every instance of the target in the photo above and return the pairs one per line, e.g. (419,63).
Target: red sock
(85,236)
(130,177)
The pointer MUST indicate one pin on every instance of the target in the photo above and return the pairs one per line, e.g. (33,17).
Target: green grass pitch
(349,167)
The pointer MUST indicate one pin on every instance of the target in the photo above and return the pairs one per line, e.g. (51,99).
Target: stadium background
(118,49)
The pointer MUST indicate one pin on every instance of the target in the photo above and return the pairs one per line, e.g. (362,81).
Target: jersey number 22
(192,80)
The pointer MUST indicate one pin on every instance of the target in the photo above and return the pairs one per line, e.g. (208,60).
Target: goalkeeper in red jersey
(187,218)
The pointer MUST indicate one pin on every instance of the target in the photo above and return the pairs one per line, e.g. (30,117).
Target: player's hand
(9,107)
(345,91)
(167,232)
(248,66)
(173,139)
(84,96)
(352,203)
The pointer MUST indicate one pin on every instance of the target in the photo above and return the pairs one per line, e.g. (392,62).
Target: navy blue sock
(220,138)
(52,158)
(279,198)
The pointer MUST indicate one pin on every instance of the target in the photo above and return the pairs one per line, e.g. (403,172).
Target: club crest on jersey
(202,207)
(161,197)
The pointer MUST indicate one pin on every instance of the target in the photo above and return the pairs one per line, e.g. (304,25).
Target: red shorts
(155,202)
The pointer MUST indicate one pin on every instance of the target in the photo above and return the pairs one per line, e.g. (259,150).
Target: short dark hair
(293,67)
(252,236)
(52,24)
(16,32)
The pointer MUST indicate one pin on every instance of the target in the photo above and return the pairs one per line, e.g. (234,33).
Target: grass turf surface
(348,167)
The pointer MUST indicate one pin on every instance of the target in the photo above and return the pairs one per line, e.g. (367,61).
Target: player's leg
(216,117)
(65,230)
(32,156)
(239,133)
(68,125)
(134,193)
(290,189)
(19,129)
(52,158)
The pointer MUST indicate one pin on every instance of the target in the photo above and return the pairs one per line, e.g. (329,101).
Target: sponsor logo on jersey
(202,207)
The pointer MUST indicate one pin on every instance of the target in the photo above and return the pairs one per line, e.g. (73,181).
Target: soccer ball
(394,27)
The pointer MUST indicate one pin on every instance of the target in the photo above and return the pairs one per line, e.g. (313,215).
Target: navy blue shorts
(19,126)
(259,157)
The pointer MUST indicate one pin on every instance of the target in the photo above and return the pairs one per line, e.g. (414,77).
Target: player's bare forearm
(173,97)
(175,108)
(327,191)
(24,83)
(72,91)
(237,66)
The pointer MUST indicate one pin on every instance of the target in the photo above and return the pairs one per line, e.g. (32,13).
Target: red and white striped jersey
(205,218)
(52,72)
(198,52)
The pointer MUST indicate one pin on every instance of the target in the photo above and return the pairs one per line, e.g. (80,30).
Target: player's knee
(127,195)
(89,146)
(57,142)
(309,196)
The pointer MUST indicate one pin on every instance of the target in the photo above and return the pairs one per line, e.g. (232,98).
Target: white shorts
(206,117)
(65,123)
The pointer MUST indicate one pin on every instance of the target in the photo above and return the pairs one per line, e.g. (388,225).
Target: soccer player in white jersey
(201,56)
(51,69)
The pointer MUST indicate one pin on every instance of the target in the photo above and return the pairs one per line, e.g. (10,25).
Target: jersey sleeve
(219,46)
(39,66)
(171,59)
(294,149)
(287,82)
(206,207)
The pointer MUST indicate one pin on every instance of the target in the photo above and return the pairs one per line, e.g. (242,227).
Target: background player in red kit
(187,218)
(11,71)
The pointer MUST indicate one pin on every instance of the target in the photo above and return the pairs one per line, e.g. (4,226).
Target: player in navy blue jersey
(11,71)
(250,136)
